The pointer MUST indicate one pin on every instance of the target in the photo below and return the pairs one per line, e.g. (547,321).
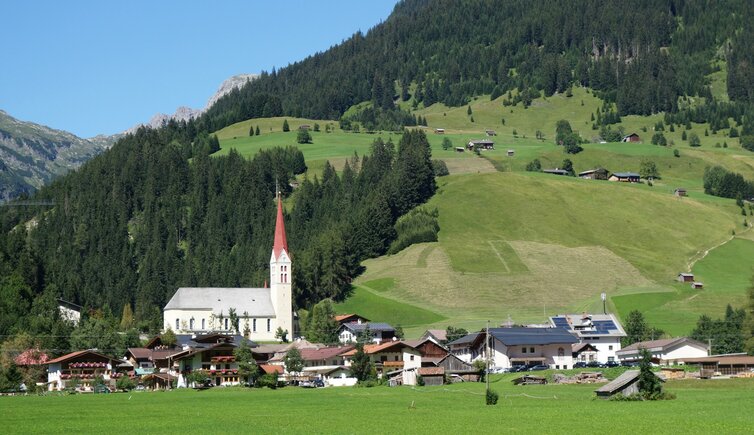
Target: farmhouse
(633,137)
(625,384)
(200,309)
(325,356)
(484,144)
(392,357)
(685,277)
(217,359)
(666,351)
(603,331)
(463,347)
(349,332)
(429,350)
(521,346)
(439,336)
(594,174)
(555,171)
(82,368)
(626,177)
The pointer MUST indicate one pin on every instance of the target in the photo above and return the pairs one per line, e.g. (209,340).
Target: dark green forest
(157,211)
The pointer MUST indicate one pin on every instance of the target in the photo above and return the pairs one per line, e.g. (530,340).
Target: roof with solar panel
(589,325)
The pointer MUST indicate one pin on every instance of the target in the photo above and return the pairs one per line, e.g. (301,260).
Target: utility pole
(487,358)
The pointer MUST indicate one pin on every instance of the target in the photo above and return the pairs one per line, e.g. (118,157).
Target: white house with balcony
(516,346)
(390,357)
(81,369)
(603,331)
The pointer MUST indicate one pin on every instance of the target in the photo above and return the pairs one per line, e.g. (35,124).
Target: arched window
(561,352)
(177,324)
(269,325)
(226,324)
(254,325)
(191,323)
(203,325)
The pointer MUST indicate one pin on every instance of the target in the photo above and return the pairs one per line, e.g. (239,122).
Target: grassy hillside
(527,245)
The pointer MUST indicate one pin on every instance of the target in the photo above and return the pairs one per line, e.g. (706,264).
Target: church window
(177,324)
(269,325)
(191,323)
(281,277)
(254,325)
(226,323)
(203,324)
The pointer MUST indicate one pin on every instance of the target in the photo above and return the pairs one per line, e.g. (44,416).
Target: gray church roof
(254,301)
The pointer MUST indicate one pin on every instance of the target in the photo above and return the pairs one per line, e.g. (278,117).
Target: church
(195,310)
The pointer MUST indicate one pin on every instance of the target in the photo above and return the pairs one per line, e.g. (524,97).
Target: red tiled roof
(323,353)
(270,368)
(77,354)
(377,348)
(140,352)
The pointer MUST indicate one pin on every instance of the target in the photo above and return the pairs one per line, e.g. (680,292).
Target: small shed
(484,144)
(439,131)
(625,384)
(685,277)
(680,192)
(594,174)
(304,127)
(633,137)
(555,171)
(460,149)
(626,177)
(432,375)
(511,153)
(490,132)
(696,285)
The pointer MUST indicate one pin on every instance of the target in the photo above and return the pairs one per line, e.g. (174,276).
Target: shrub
(733,132)
(125,383)
(491,397)
(747,142)
(303,136)
(694,140)
(440,168)
(676,153)
(534,166)
(269,380)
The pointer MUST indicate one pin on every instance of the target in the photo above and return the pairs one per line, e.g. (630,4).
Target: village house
(584,352)
(262,310)
(667,351)
(483,144)
(603,331)
(325,356)
(82,368)
(633,137)
(594,174)
(625,177)
(392,358)
(349,332)
(463,348)
(217,360)
(528,346)
(439,336)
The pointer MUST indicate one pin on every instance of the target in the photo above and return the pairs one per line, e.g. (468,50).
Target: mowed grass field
(713,406)
(529,245)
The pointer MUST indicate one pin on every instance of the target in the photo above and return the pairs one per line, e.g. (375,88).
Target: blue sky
(99,67)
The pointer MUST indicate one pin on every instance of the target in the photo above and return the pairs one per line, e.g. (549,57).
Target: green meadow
(712,406)
(524,246)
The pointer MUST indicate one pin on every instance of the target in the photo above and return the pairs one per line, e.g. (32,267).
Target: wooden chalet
(633,137)
(304,127)
(724,365)
(685,277)
(439,131)
(625,177)
(432,375)
(81,368)
(584,352)
(680,192)
(595,174)
(696,285)
(484,144)
(348,318)
(490,132)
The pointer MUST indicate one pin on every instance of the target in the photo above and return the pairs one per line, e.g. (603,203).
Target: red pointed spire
(280,242)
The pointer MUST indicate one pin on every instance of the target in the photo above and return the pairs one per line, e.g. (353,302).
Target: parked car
(521,368)
(140,387)
(629,364)
(306,384)
(579,365)
(539,367)
(318,383)
(611,364)
(101,389)
(593,364)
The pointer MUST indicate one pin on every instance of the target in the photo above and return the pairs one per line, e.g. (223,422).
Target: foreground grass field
(717,406)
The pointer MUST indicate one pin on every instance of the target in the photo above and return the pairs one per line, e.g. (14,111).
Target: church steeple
(281,244)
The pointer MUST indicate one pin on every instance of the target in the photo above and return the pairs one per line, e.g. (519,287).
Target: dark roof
(482,141)
(555,171)
(519,335)
(660,344)
(466,339)
(624,379)
(79,353)
(373,326)
(592,171)
(626,174)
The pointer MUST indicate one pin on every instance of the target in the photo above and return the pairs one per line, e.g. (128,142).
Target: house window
(191,323)
(203,325)
(610,347)
(531,350)
(561,352)
(411,358)
(269,325)
(557,367)
(226,323)
(523,350)
(383,358)
(396,358)
(177,324)
(254,325)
